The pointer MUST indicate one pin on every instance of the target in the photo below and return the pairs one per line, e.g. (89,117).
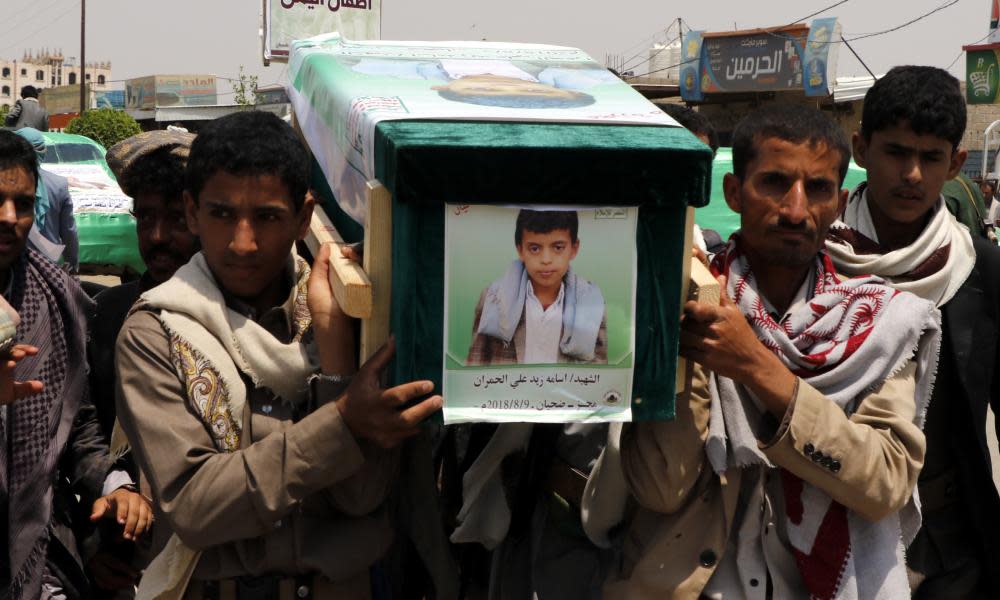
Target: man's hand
(378,414)
(109,573)
(698,253)
(132,510)
(354,252)
(720,339)
(11,390)
(323,307)
(332,328)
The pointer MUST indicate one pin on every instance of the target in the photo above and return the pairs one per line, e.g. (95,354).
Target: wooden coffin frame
(365,291)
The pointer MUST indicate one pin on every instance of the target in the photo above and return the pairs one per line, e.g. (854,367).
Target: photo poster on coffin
(563,354)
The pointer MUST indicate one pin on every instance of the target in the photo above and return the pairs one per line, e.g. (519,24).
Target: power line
(646,40)
(11,27)
(680,64)
(43,27)
(907,24)
(625,62)
(952,63)
(809,16)
(652,55)
(863,36)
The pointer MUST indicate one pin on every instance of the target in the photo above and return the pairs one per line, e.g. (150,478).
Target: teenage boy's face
(906,171)
(789,196)
(247,226)
(546,256)
(17,212)
(165,242)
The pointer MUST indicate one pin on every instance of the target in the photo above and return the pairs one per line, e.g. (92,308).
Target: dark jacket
(968,380)
(27,112)
(113,305)
(82,469)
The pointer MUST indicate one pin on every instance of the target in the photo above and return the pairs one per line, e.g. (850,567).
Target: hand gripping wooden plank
(351,286)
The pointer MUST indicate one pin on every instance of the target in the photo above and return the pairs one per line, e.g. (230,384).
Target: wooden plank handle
(351,286)
(702,287)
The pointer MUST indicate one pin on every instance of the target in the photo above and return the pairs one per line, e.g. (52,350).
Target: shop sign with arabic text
(759,60)
(288,20)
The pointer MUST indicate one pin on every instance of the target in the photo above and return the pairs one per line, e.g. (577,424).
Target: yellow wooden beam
(378,266)
(697,283)
(351,286)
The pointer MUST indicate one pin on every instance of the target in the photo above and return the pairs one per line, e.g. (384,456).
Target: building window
(72,78)
(100,79)
(53,80)
(39,75)
(5,90)
(87,76)
(6,72)
(24,72)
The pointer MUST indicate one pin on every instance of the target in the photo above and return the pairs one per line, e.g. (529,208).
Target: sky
(218,36)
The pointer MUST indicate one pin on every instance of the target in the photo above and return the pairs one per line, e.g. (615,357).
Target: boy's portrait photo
(539,285)
(540,311)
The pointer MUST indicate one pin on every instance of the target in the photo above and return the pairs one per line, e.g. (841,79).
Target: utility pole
(83,56)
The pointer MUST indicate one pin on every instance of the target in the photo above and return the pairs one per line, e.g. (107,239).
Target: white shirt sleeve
(116,479)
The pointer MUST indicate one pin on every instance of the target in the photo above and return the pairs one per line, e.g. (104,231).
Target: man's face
(165,242)
(498,85)
(787,199)
(987,190)
(247,226)
(546,256)
(17,212)
(906,171)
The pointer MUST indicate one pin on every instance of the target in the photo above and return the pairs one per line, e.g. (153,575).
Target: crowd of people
(206,431)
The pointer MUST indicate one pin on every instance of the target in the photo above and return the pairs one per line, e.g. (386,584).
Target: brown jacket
(680,529)
(489,350)
(301,495)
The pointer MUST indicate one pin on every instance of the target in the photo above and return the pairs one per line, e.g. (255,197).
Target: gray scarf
(53,318)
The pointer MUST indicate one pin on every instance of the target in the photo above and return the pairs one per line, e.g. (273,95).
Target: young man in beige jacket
(790,468)
(267,457)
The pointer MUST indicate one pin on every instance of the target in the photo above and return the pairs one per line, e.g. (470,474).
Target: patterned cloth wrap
(53,312)
(125,153)
(849,338)
(934,266)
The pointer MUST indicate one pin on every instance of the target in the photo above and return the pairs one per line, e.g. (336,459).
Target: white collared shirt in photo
(543,328)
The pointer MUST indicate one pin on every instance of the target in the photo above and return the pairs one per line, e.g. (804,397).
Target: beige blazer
(679,531)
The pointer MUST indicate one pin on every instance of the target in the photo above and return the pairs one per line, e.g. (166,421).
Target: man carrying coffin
(790,468)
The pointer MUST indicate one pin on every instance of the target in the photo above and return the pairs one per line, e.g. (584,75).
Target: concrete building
(44,69)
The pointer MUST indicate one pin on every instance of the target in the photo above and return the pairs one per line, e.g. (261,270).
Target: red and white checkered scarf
(849,338)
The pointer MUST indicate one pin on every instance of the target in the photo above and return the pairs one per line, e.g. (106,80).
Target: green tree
(105,125)
(245,89)
(3,113)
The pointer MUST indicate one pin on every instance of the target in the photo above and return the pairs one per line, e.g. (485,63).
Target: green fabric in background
(965,200)
(426,164)
(108,239)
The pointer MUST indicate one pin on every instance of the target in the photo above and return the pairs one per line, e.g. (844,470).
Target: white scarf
(933,267)
(846,341)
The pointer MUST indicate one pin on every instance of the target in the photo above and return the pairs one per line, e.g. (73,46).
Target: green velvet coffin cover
(428,163)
